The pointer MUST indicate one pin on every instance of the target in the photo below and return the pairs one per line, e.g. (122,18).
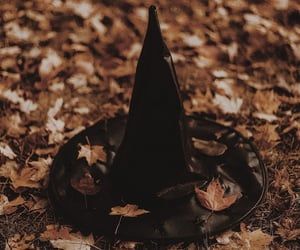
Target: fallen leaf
(213,199)
(92,153)
(50,64)
(257,239)
(266,136)
(26,106)
(266,101)
(244,240)
(192,40)
(228,105)
(62,238)
(81,8)
(13,125)
(9,207)
(19,242)
(128,210)
(265,116)
(31,176)
(7,151)
(288,234)
(211,148)
(85,184)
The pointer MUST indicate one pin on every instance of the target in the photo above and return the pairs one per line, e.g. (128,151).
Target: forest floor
(65,64)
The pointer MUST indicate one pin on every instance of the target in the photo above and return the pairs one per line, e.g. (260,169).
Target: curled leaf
(210,148)
(85,184)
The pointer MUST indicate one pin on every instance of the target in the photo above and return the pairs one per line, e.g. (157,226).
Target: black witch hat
(152,162)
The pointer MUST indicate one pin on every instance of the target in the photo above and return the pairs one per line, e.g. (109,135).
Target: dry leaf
(288,234)
(213,199)
(211,148)
(244,240)
(92,153)
(266,136)
(31,176)
(192,40)
(128,210)
(257,240)
(18,242)
(49,64)
(62,238)
(7,151)
(228,105)
(9,207)
(266,101)
(85,184)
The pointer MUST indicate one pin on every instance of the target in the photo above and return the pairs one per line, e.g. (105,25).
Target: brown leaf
(19,242)
(129,210)
(92,153)
(257,239)
(213,199)
(266,101)
(62,238)
(9,207)
(211,148)
(266,136)
(85,184)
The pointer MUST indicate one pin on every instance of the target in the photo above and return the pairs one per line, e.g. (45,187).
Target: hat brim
(240,169)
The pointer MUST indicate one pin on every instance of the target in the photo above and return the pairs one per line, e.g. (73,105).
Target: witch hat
(152,162)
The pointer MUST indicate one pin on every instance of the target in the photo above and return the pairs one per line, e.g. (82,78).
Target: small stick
(119,223)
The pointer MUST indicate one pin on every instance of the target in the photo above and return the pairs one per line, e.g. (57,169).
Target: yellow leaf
(92,153)
(129,210)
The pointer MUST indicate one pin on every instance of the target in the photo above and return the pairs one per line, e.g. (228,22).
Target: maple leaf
(228,105)
(211,148)
(129,210)
(213,199)
(92,153)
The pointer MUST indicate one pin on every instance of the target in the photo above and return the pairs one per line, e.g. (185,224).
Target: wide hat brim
(240,169)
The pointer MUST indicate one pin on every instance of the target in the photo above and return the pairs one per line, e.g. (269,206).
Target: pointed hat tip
(152,9)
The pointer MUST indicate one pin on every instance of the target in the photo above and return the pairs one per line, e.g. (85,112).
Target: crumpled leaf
(129,210)
(62,238)
(19,242)
(7,151)
(34,175)
(9,207)
(85,184)
(92,153)
(213,199)
(211,148)
(244,240)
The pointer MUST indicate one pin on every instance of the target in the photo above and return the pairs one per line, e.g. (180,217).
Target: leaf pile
(66,64)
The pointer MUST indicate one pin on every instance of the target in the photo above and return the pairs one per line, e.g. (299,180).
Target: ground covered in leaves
(64,64)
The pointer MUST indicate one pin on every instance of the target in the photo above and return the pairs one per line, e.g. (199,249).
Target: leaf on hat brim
(211,148)
(85,184)
(92,153)
(213,199)
(129,210)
